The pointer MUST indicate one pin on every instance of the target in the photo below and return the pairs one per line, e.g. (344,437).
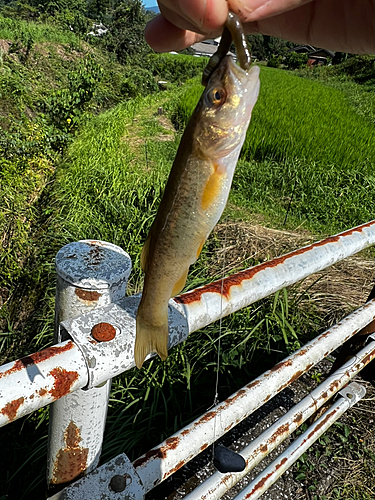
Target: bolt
(118,483)
(103,332)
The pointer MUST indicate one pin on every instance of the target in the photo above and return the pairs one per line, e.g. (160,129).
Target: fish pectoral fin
(145,252)
(150,338)
(180,283)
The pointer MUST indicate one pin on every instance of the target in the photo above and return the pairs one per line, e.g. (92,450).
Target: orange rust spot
(71,460)
(185,432)
(280,431)
(86,295)
(63,382)
(212,187)
(206,418)
(42,392)
(103,332)
(10,409)
(175,469)
(172,443)
(37,357)
(238,278)
(157,453)
(239,393)
(263,448)
(298,418)
(320,425)
(282,364)
(204,446)
(261,483)
(253,384)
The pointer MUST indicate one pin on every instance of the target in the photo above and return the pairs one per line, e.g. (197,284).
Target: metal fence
(94,341)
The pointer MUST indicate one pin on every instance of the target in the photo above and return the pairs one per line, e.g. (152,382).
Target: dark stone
(227,460)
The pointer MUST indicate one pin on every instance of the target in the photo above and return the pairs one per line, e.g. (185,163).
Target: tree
(125,36)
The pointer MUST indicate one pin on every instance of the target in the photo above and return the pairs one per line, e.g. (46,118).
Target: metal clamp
(353,393)
(106,337)
(115,480)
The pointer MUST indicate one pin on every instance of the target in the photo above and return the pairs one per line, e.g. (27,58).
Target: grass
(12,29)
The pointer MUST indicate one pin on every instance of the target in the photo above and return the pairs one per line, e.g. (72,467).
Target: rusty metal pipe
(90,274)
(206,304)
(352,394)
(160,462)
(39,379)
(216,485)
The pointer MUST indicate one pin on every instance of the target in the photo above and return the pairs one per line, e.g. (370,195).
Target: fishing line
(216,396)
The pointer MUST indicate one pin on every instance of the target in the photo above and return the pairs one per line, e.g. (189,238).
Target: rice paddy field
(307,147)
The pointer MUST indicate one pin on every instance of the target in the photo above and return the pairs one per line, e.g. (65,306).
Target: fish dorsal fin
(144,253)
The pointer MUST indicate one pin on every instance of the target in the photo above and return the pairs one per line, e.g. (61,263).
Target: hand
(339,25)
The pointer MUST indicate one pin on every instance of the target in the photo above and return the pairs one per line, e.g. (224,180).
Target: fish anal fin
(180,283)
(201,246)
(145,252)
(150,338)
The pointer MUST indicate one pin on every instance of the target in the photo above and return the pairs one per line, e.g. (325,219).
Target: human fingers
(339,25)
(185,22)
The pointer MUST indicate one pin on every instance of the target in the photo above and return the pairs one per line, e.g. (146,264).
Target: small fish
(195,197)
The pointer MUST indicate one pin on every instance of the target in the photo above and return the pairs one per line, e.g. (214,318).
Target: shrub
(294,61)
(139,82)
(176,68)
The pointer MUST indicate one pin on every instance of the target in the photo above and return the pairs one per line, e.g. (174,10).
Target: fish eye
(218,96)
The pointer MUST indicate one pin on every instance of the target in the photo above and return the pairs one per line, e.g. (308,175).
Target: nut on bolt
(103,332)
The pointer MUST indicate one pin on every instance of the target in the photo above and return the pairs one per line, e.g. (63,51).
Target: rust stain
(280,431)
(103,332)
(298,418)
(185,432)
(175,469)
(224,286)
(86,295)
(11,409)
(238,394)
(282,364)
(71,460)
(37,357)
(157,453)
(319,426)
(253,384)
(205,418)
(172,443)
(204,446)
(298,374)
(42,392)
(63,382)
(95,255)
(261,483)
(263,448)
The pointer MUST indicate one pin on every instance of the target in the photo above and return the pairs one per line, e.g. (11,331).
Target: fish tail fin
(150,338)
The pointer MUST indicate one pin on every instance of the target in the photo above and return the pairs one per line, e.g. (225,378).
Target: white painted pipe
(90,274)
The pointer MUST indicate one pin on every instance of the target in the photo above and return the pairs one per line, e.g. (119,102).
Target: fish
(195,196)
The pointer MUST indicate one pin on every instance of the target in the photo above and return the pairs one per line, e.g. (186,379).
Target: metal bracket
(115,480)
(353,393)
(106,337)
(370,338)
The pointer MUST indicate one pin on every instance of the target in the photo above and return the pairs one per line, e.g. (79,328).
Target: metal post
(90,274)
